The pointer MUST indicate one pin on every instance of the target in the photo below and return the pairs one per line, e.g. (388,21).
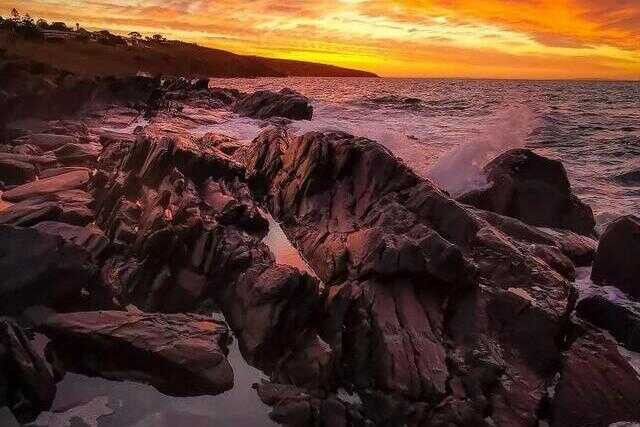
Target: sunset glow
(430,38)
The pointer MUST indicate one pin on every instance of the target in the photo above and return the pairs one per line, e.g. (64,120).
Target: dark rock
(54,184)
(597,387)
(30,385)
(46,141)
(265,104)
(578,248)
(618,316)
(616,262)
(180,354)
(200,84)
(533,189)
(421,291)
(89,237)
(39,268)
(14,172)
(70,206)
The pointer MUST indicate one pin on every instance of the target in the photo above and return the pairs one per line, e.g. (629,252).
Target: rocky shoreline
(132,232)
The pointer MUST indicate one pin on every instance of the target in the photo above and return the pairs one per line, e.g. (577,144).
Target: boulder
(179,354)
(67,181)
(265,104)
(616,315)
(70,206)
(46,141)
(597,386)
(421,291)
(616,262)
(77,154)
(26,385)
(89,237)
(40,268)
(534,189)
(15,172)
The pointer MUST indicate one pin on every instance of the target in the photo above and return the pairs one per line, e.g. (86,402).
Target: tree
(159,38)
(41,23)
(15,14)
(135,36)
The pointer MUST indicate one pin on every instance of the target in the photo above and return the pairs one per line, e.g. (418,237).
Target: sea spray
(459,170)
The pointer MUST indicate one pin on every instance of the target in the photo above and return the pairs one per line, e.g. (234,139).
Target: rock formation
(616,262)
(533,189)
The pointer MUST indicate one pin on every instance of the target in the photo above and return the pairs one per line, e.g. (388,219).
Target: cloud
(509,38)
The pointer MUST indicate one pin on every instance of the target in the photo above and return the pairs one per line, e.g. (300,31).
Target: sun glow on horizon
(399,38)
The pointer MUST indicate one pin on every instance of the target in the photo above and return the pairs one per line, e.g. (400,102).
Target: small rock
(616,262)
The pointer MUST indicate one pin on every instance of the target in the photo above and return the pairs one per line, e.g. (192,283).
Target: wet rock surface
(616,262)
(533,189)
(179,354)
(285,103)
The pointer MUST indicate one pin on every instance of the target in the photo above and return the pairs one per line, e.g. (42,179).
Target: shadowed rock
(265,104)
(618,316)
(616,262)
(533,189)
(40,268)
(15,172)
(597,386)
(180,354)
(26,385)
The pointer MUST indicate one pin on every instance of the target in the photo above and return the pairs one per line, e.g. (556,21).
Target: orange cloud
(439,38)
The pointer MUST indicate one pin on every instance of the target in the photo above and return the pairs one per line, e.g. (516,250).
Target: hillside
(173,58)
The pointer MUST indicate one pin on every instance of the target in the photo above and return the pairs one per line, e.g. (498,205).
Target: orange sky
(422,38)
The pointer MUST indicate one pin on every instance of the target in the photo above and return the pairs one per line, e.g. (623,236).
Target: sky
(545,39)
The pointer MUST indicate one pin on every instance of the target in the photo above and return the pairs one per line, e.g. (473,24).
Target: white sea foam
(460,169)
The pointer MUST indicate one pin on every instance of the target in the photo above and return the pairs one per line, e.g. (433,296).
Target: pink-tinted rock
(67,181)
(179,354)
(26,385)
(597,387)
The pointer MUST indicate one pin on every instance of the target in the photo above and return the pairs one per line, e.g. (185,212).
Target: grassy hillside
(172,58)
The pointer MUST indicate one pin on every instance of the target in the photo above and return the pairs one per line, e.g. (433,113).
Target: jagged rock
(60,171)
(67,181)
(578,248)
(616,262)
(40,268)
(26,385)
(15,172)
(618,316)
(77,154)
(265,104)
(89,237)
(422,292)
(179,354)
(71,206)
(41,161)
(46,141)
(597,386)
(533,189)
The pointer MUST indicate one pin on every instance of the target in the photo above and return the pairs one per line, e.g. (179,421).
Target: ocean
(447,130)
